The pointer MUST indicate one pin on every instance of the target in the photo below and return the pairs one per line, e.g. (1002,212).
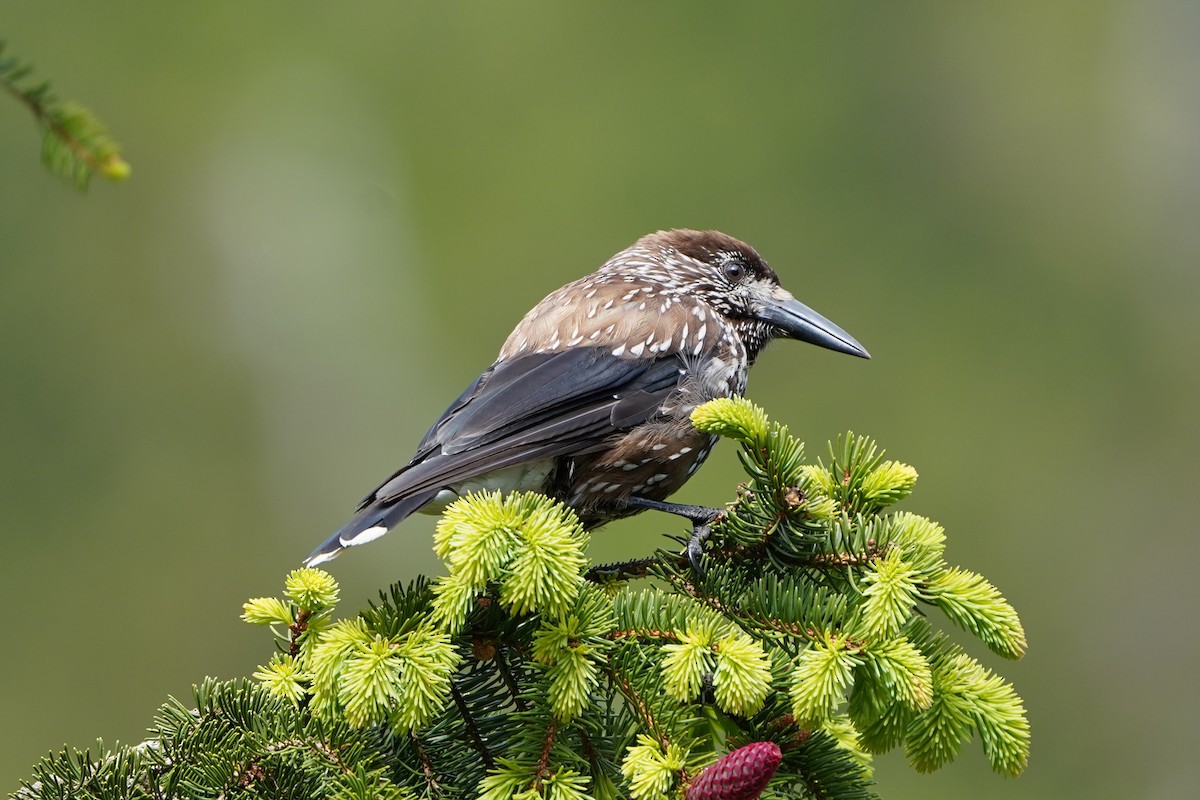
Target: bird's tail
(367,525)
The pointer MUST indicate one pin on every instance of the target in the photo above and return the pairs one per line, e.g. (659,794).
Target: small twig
(543,765)
(435,788)
(297,630)
(644,633)
(788,628)
(472,731)
(846,559)
(622,571)
(510,681)
(640,705)
(589,750)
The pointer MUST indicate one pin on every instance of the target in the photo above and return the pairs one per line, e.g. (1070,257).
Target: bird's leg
(702,518)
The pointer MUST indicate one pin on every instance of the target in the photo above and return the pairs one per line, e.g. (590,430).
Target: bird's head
(736,282)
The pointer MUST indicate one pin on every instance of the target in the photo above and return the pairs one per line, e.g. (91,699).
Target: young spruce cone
(741,775)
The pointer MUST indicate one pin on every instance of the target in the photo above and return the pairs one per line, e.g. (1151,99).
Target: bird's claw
(695,547)
(701,530)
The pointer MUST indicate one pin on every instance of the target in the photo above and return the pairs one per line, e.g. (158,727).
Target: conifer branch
(525,674)
(75,143)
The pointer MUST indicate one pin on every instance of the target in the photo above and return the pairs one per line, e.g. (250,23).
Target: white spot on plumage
(658,447)
(637,349)
(619,350)
(363,536)
(321,558)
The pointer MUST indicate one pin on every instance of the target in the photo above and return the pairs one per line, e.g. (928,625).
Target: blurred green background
(337,212)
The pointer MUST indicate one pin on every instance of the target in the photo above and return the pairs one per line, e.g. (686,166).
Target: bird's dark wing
(431,439)
(522,410)
(541,389)
(534,407)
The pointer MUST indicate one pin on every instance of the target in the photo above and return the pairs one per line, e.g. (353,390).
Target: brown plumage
(589,400)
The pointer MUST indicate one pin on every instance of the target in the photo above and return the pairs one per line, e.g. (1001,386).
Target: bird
(590,398)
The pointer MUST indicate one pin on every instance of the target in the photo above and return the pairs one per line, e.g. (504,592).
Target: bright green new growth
(890,587)
(735,664)
(650,770)
(267,611)
(733,418)
(75,143)
(522,674)
(311,589)
(283,677)
(533,547)
(974,604)
(575,648)
(823,673)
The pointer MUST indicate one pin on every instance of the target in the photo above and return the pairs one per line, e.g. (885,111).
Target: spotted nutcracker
(590,398)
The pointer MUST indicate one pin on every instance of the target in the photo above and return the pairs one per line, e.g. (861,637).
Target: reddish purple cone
(741,775)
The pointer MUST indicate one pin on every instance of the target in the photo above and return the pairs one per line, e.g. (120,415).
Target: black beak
(798,321)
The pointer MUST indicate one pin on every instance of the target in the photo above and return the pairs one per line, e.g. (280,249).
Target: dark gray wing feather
(535,407)
(530,391)
(522,410)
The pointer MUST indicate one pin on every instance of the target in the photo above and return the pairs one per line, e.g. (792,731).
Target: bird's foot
(695,547)
(702,519)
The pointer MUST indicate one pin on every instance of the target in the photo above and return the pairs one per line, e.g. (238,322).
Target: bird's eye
(734,270)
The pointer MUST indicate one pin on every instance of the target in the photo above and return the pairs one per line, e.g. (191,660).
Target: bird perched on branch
(590,398)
